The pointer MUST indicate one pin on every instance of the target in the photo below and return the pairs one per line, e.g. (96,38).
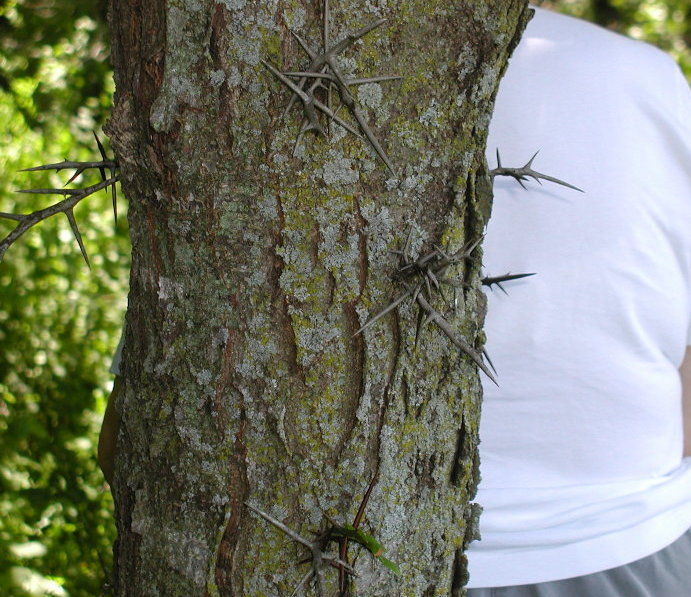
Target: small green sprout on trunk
(340,533)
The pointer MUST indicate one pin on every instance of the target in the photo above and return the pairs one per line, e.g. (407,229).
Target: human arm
(107,439)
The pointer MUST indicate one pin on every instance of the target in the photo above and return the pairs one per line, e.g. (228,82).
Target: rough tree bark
(252,270)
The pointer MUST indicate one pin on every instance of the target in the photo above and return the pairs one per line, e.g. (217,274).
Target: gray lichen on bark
(252,269)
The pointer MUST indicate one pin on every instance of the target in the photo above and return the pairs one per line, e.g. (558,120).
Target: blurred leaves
(59,323)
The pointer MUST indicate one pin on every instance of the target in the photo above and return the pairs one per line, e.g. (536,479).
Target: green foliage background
(60,322)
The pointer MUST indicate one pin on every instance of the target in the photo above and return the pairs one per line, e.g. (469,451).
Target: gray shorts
(666,573)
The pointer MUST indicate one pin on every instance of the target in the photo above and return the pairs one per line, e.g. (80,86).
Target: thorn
(489,281)
(102,151)
(374,79)
(530,161)
(115,200)
(64,192)
(302,583)
(327,22)
(390,307)
(521,174)
(348,100)
(8,216)
(77,172)
(75,230)
(489,361)
(455,337)
(309,51)
(66,164)
(406,246)
(66,205)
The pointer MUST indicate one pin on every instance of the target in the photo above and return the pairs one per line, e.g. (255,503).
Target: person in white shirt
(585,487)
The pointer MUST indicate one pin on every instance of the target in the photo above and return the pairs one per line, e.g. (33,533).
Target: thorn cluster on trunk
(340,534)
(422,277)
(324,73)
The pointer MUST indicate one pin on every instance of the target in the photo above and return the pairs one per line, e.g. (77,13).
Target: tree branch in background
(66,206)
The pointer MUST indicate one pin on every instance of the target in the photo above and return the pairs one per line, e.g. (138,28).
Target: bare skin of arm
(685,371)
(107,440)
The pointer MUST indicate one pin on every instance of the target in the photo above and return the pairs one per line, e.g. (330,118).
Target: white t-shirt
(581,453)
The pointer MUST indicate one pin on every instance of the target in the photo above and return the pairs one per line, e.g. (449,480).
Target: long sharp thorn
(303,128)
(309,75)
(406,246)
(77,235)
(309,51)
(337,119)
(115,200)
(498,159)
(490,281)
(455,337)
(51,191)
(302,583)
(102,151)
(428,288)
(374,79)
(286,81)
(349,40)
(327,22)
(77,173)
(278,524)
(326,41)
(489,361)
(291,101)
(379,150)
(57,167)
(418,326)
(65,165)
(365,500)
(15,217)
(347,98)
(539,175)
(390,307)
(432,277)
(416,292)
(529,165)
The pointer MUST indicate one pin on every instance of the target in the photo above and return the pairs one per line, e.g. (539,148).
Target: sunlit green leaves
(59,322)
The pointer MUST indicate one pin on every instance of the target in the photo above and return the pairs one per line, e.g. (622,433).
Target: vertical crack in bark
(356,372)
(127,543)
(459,576)
(285,331)
(386,397)
(459,456)
(228,574)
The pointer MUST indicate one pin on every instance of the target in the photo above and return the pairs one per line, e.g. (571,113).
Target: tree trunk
(244,381)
